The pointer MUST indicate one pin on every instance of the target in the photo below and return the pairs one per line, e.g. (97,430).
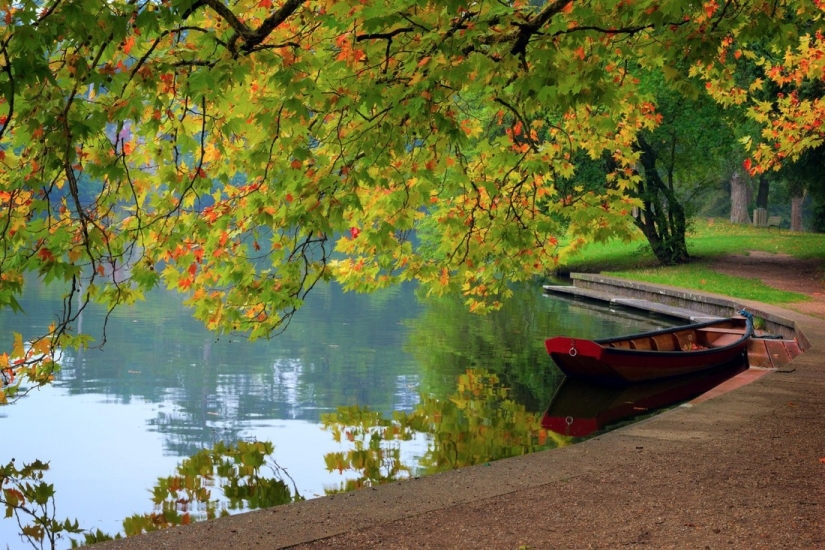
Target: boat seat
(620,344)
(664,342)
(685,338)
(640,343)
(723,340)
(739,331)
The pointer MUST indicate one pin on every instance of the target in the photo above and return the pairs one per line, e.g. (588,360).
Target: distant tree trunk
(662,217)
(739,199)
(762,193)
(796,213)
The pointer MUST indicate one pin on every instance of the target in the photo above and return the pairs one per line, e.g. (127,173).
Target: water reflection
(478,422)
(579,409)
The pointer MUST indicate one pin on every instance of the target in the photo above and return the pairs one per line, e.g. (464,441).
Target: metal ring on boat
(569,420)
(573,352)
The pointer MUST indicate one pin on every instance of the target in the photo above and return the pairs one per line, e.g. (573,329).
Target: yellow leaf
(42,347)
(18,350)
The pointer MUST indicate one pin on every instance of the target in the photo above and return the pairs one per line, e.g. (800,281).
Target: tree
(740,199)
(243,152)
(796,212)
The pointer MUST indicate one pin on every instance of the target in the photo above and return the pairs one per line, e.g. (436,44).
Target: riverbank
(742,470)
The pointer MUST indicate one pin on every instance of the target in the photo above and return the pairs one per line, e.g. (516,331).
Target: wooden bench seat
(722,330)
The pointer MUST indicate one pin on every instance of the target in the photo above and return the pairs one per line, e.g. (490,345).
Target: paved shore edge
(741,470)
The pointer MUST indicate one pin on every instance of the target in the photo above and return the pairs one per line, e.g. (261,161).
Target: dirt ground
(781,271)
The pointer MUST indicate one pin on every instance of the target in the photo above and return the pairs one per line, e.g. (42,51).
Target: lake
(450,388)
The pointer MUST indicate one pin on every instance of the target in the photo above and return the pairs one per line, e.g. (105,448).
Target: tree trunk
(662,218)
(796,213)
(739,199)
(762,193)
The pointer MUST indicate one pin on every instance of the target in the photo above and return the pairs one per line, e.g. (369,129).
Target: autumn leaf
(128,44)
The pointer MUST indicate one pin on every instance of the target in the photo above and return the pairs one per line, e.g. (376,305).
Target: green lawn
(708,239)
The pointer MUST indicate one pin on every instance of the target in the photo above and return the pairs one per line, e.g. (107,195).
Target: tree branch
(270,23)
(527,30)
(226,14)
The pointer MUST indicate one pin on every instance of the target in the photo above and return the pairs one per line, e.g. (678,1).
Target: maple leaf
(45,254)
(128,44)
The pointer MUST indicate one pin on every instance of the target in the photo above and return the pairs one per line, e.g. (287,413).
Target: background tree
(740,198)
(783,97)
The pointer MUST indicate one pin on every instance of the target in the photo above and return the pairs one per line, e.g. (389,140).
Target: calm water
(163,388)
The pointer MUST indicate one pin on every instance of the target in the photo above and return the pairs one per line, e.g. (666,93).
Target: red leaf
(45,254)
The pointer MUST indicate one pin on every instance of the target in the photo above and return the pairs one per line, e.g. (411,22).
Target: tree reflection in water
(233,469)
(478,423)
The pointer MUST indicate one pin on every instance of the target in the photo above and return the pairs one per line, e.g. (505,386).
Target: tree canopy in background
(243,152)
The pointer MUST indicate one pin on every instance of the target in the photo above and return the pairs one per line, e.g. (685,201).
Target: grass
(707,240)
(699,277)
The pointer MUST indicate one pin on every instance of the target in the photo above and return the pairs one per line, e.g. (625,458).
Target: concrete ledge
(705,302)
(633,303)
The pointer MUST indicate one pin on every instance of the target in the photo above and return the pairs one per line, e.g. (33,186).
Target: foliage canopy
(243,152)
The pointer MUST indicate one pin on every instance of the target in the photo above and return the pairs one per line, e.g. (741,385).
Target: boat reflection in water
(580,409)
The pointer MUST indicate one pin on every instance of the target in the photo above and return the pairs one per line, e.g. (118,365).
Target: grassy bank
(707,241)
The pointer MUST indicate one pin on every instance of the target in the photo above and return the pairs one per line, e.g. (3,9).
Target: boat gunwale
(669,330)
(747,333)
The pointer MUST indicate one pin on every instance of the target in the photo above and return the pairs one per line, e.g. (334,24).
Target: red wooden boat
(674,351)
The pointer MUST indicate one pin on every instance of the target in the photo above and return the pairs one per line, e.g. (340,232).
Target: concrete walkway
(745,469)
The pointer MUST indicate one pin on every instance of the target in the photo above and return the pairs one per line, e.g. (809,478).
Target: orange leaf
(128,44)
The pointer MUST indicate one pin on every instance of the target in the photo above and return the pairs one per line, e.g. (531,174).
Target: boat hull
(676,351)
